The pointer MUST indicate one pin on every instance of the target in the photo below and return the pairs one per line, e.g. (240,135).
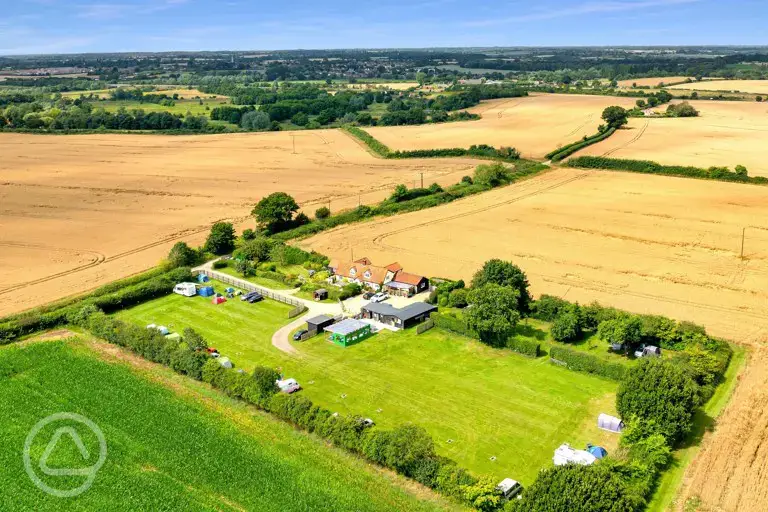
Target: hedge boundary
(587,363)
(572,148)
(650,167)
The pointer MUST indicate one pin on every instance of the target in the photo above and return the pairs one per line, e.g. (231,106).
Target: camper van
(185,289)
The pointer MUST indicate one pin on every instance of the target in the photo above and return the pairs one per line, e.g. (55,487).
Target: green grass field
(181,106)
(487,402)
(260,281)
(172,443)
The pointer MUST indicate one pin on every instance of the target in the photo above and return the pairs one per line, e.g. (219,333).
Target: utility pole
(422,180)
(743,232)
(293,139)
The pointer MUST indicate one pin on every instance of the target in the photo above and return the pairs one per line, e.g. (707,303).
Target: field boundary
(572,148)
(602,163)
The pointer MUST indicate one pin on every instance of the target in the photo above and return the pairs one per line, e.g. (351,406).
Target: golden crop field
(535,125)
(649,244)
(80,211)
(725,134)
(748,86)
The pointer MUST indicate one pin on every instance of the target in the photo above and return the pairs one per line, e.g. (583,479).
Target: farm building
(392,277)
(610,423)
(320,294)
(398,317)
(348,332)
(319,323)
(185,289)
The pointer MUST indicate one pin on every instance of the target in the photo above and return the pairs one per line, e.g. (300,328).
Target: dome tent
(610,423)
(598,451)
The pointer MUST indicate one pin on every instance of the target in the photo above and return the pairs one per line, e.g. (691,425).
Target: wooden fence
(245,285)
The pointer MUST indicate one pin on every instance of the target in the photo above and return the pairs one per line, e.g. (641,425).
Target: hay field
(649,244)
(395,86)
(725,134)
(749,86)
(652,81)
(80,211)
(729,471)
(534,125)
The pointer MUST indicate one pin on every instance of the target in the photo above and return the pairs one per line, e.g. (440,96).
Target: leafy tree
(275,211)
(265,379)
(255,121)
(482,495)
(492,175)
(566,327)
(624,329)
(505,273)
(662,392)
(400,193)
(245,267)
(255,250)
(182,255)
(615,116)
(249,234)
(683,109)
(221,239)
(575,488)
(640,103)
(458,298)
(741,171)
(408,444)
(300,119)
(322,213)
(757,98)
(194,340)
(494,313)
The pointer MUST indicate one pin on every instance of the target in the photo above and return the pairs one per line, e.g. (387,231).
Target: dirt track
(80,211)
(648,244)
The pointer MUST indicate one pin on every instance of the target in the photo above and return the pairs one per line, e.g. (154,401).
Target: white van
(510,488)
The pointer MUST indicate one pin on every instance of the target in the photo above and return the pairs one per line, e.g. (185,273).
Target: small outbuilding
(320,294)
(399,318)
(348,332)
(219,300)
(185,289)
(610,423)
(319,323)
(206,291)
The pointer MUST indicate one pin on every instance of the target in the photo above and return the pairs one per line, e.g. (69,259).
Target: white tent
(610,423)
(567,455)
(225,362)
(163,330)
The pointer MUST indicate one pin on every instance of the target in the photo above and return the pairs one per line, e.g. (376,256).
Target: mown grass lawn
(180,107)
(172,444)
(488,403)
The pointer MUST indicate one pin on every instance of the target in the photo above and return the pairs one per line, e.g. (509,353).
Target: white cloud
(584,8)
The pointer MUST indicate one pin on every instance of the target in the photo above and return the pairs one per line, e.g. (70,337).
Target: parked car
(288,386)
(299,334)
(379,297)
(256,297)
(249,295)
(367,422)
(510,489)
(368,295)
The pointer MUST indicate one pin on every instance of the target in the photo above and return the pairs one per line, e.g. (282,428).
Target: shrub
(524,346)
(458,298)
(249,234)
(662,392)
(322,213)
(625,329)
(221,239)
(453,324)
(566,327)
(587,363)
(182,255)
(219,264)
(548,307)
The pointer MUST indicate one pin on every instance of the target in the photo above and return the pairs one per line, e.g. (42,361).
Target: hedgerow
(156,286)
(523,346)
(570,149)
(650,167)
(587,363)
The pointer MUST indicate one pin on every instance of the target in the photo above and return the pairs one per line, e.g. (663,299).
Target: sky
(77,26)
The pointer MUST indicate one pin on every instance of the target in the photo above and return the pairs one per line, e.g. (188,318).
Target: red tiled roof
(394,267)
(405,277)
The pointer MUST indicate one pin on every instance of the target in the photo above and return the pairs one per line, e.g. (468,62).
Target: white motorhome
(185,289)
